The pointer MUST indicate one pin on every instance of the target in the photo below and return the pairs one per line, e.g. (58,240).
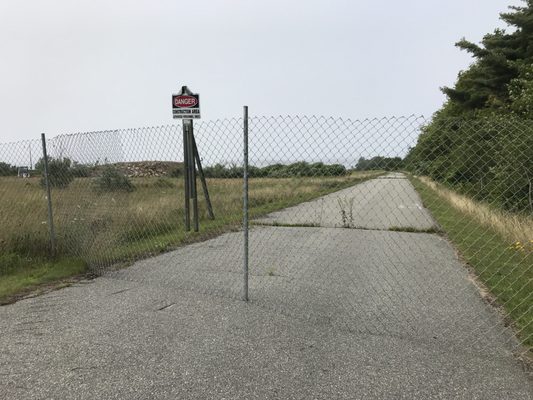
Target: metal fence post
(186,176)
(49,198)
(245,204)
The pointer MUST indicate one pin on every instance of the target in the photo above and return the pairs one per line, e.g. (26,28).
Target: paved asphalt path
(335,314)
(383,203)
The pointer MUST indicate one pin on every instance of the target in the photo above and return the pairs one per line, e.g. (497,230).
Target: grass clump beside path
(497,245)
(19,274)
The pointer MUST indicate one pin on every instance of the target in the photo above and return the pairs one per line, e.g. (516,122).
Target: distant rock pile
(148,169)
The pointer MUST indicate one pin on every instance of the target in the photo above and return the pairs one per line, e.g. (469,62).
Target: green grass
(102,229)
(505,270)
(32,274)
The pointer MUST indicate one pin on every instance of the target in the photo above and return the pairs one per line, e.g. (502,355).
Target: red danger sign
(186,105)
(185,101)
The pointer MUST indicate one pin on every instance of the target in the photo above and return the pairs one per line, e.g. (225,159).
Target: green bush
(221,171)
(335,170)
(176,172)
(7,169)
(272,170)
(379,163)
(113,180)
(513,171)
(59,172)
(487,158)
(81,170)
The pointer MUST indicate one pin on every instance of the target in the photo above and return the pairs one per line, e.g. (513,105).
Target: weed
(346,209)
(113,180)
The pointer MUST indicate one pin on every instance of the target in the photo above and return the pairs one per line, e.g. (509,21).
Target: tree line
(481,141)
(298,169)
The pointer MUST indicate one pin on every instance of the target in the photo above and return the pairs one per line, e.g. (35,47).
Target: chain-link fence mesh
(395,226)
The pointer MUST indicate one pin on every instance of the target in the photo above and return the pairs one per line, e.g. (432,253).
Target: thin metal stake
(49,199)
(192,177)
(245,205)
(202,180)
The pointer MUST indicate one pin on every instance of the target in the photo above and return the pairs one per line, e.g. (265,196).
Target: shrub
(487,158)
(334,170)
(81,170)
(272,170)
(113,180)
(176,172)
(59,172)
(221,171)
(379,163)
(216,171)
(7,169)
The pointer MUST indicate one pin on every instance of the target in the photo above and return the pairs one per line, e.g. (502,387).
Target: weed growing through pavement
(346,209)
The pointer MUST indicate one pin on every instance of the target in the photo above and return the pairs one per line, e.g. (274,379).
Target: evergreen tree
(500,61)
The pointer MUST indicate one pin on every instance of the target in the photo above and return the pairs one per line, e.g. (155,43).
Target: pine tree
(499,61)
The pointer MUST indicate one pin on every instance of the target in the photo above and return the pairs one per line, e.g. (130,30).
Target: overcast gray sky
(70,66)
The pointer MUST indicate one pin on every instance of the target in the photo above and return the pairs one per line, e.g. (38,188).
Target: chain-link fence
(394,226)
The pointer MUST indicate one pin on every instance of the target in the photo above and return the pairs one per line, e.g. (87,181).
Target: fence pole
(49,199)
(245,204)
(192,177)
(186,177)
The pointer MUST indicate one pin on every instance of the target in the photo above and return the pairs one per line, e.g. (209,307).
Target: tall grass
(511,226)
